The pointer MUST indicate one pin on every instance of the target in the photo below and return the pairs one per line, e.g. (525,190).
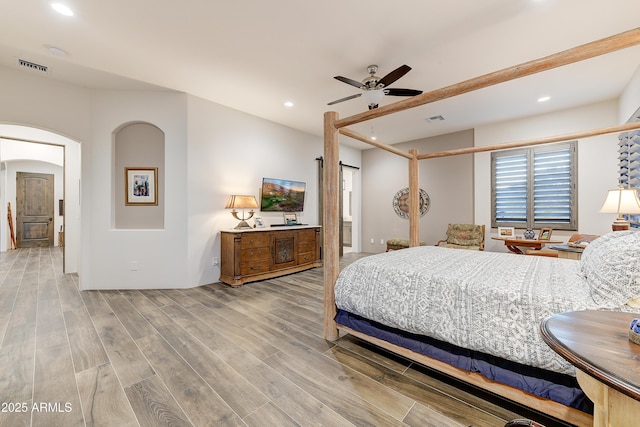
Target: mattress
(488,302)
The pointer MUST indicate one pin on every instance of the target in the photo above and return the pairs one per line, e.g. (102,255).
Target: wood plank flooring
(213,355)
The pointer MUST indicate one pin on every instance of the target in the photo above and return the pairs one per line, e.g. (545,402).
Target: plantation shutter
(552,187)
(535,187)
(629,159)
(629,164)
(510,188)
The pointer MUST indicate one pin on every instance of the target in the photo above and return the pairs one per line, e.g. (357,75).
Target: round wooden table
(597,343)
(512,243)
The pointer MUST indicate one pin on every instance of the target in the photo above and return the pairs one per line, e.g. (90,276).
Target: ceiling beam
(590,50)
(538,141)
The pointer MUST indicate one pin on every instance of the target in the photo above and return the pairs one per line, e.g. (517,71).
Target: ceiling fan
(375,88)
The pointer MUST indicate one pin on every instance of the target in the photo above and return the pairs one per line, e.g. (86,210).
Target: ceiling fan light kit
(374,88)
(373,97)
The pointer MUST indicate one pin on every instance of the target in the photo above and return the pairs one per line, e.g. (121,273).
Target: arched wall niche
(138,145)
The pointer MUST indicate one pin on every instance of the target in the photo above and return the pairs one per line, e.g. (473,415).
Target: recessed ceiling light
(373,138)
(544,99)
(62,9)
(56,50)
(288,104)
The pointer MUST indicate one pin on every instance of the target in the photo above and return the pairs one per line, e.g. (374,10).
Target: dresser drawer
(254,240)
(255,254)
(307,236)
(306,258)
(254,267)
(306,247)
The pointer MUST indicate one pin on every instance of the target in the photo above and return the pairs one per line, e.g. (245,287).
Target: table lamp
(242,202)
(621,201)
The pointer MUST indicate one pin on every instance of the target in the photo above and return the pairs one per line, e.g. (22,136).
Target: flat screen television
(281,195)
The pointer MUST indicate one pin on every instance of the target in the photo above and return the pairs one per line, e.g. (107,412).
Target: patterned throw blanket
(485,301)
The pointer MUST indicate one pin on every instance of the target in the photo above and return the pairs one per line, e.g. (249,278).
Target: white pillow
(611,266)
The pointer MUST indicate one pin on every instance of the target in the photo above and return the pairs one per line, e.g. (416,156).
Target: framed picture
(259,221)
(141,186)
(545,234)
(506,232)
(290,218)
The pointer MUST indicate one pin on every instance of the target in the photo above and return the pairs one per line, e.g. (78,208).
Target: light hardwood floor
(213,355)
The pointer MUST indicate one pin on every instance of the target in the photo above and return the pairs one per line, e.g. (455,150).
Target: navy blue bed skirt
(558,387)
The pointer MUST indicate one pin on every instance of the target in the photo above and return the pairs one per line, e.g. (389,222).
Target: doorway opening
(349,201)
(347,208)
(40,183)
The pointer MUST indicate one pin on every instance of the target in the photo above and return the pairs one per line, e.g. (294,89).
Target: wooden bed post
(334,126)
(330,222)
(414,200)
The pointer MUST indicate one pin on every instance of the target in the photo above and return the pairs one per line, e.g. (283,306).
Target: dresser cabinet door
(284,249)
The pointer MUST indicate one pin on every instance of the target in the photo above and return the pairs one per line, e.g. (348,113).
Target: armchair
(464,236)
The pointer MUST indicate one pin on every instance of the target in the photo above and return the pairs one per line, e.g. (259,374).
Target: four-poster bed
(333,127)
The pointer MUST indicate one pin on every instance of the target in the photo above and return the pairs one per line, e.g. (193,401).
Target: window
(629,165)
(535,187)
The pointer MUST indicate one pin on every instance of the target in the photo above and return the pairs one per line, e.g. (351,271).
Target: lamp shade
(373,96)
(242,202)
(622,201)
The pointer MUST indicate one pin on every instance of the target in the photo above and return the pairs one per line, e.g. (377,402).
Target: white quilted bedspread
(486,301)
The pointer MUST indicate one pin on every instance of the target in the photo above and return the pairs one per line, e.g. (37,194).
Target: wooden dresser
(262,253)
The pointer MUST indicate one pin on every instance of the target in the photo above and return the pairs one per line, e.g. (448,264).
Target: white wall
(229,153)
(45,104)
(630,99)
(448,182)
(211,152)
(597,162)
(160,255)
(11,149)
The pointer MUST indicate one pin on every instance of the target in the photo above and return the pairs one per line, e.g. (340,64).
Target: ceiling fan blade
(345,98)
(349,81)
(394,75)
(402,92)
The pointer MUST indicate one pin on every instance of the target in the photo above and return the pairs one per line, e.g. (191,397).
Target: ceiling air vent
(32,66)
(437,118)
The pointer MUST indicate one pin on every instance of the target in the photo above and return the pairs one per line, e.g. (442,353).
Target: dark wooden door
(34,210)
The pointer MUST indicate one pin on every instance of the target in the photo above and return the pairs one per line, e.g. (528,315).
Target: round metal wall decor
(401,203)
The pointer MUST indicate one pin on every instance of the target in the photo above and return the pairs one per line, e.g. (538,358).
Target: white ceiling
(254,55)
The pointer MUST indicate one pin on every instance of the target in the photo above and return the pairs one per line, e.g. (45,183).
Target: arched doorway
(32,148)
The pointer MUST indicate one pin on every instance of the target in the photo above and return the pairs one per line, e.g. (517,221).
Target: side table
(608,363)
(513,243)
